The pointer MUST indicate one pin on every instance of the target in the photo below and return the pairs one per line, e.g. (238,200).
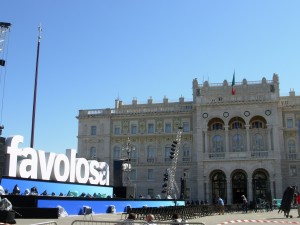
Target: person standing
(287,201)
(298,203)
(130,219)
(150,219)
(177,220)
(245,204)
(221,205)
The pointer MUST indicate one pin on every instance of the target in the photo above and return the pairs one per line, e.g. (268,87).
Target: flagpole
(35,87)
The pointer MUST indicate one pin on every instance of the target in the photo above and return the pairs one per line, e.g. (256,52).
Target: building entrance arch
(218,179)
(261,186)
(239,186)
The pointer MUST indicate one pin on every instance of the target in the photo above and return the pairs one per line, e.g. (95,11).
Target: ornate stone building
(247,143)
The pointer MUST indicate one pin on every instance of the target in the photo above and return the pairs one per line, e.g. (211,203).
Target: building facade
(246,143)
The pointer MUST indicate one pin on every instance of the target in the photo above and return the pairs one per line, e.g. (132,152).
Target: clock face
(204,115)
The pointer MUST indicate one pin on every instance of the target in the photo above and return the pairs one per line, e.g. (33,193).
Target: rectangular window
(133,128)
(93,130)
(133,174)
(117,152)
(186,127)
(289,123)
(133,155)
(117,130)
(186,173)
(150,174)
(150,192)
(93,153)
(150,154)
(186,153)
(169,155)
(150,128)
(168,128)
(293,170)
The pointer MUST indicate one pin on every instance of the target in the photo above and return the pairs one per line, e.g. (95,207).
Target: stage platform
(47,206)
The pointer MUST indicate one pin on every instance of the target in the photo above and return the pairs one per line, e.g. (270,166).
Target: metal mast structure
(128,148)
(171,187)
(127,163)
(35,87)
(4,28)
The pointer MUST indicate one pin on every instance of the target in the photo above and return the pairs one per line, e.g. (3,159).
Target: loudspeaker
(120,192)
(87,210)
(118,173)
(130,192)
(124,192)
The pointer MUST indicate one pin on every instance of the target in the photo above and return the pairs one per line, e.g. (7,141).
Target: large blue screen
(56,187)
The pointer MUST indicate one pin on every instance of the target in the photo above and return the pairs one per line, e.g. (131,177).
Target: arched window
(217,126)
(236,125)
(256,124)
(258,143)
(117,152)
(237,143)
(217,143)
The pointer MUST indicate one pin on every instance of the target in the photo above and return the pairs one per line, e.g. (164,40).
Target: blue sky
(93,52)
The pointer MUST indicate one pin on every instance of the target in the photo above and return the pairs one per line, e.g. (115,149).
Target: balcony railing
(216,155)
(150,160)
(259,154)
(241,155)
(293,156)
(186,159)
(238,155)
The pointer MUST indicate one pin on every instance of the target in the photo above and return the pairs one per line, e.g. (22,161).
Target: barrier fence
(163,215)
(95,222)
(166,213)
(46,223)
(188,212)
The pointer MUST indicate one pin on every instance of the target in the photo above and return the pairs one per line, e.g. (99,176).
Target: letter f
(13,152)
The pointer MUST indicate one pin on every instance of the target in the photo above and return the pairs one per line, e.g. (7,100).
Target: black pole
(35,88)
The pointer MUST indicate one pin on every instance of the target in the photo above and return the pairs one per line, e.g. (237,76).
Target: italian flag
(232,84)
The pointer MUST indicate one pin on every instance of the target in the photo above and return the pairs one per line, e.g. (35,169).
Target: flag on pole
(233,90)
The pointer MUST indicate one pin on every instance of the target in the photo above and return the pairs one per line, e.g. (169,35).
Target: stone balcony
(239,155)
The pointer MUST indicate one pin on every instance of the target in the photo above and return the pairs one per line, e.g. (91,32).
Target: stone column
(250,190)
(229,191)
(226,139)
(205,140)
(205,193)
(269,127)
(247,137)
